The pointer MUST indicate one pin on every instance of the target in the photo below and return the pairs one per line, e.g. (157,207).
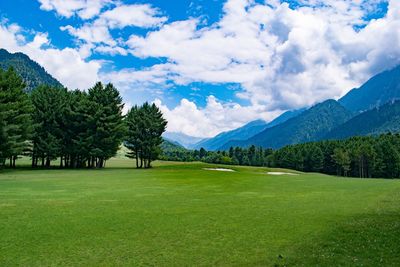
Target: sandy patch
(219,169)
(281,173)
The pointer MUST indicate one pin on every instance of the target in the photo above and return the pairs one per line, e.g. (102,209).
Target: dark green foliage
(31,72)
(82,129)
(379,120)
(105,123)
(15,117)
(145,126)
(311,125)
(49,114)
(254,156)
(379,90)
(357,156)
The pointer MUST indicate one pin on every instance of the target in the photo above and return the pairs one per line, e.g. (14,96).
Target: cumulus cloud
(66,65)
(284,58)
(143,16)
(85,9)
(97,32)
(214,118)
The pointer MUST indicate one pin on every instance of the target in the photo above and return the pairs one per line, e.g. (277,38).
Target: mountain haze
(182,139)
(245,132)
(311,125)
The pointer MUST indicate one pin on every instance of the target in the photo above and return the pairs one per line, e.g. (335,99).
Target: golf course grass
(180,214)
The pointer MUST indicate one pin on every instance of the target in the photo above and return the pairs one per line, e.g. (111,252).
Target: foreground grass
(180,215)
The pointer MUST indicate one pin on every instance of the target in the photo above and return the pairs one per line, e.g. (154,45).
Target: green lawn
(182,215)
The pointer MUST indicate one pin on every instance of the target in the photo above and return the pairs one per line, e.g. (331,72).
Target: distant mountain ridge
(31,72)
(377,91)
(182,139)
(371,109)
(310,125)
(379,120)
(245,132)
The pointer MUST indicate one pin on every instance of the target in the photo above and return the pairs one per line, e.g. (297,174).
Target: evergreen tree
(15,117)
(105,122)
(342,160)
(145,126)
(49,110)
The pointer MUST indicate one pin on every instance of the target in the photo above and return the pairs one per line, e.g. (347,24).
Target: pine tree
(77,137)
(49,109)
(145,126)
(107,127)
(134,138)
(15,117)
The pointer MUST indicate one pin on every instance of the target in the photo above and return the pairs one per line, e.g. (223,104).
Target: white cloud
(97,32)
(283,58)
(143,16)
(66,65)
(91,33)
(85,9)
(212,119)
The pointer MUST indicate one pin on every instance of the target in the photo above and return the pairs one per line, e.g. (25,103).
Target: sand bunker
(281,173)
(218,169)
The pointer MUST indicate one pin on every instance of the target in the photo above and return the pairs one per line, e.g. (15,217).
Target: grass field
(182,215)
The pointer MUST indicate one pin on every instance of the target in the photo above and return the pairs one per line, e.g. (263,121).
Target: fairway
(180,214)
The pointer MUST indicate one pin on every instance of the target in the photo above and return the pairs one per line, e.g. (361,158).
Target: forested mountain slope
(379,120)
(31,72)
(379,90)
(309,126)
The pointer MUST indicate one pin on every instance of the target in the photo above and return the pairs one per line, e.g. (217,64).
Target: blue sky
(210,65)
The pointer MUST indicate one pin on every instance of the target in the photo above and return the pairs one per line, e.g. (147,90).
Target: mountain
(244,132)
(379,120)
(31,72)
(241,133)
(182,139)
(379,90)
(168,145)
(310,125)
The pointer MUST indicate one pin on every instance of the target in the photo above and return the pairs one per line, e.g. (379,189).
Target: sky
(210,65)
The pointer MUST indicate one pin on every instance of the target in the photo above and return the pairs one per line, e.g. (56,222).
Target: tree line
(252,156)
(80,129)
(364,157)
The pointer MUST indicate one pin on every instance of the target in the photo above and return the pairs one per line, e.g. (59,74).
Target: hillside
(169,145)
(376,121)
(245,132)
(182,139)
(241,133)
(32,73)
(310,125)
(379,90)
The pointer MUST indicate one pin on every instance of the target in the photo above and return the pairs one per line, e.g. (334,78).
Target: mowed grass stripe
(182,215)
